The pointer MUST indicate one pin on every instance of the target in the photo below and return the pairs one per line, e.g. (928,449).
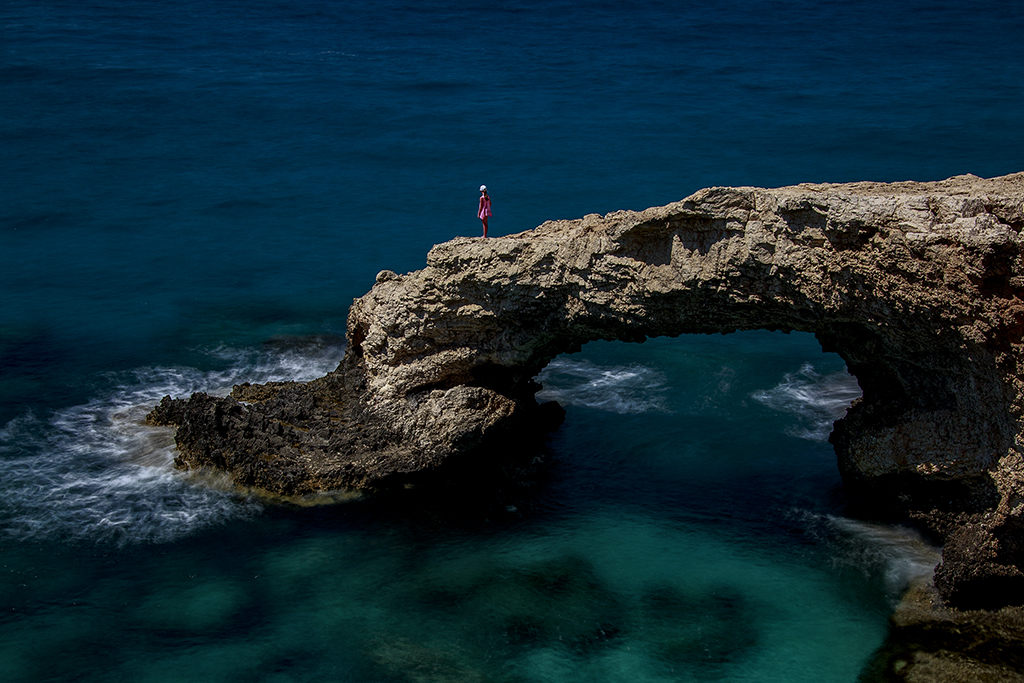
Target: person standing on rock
(484,210)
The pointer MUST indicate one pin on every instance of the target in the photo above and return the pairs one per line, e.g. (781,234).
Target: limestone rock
(917,286)
(930,643)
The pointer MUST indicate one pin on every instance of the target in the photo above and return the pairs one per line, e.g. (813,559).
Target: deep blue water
(192,193)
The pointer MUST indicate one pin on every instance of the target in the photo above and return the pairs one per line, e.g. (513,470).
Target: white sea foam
(901,552)
(895,554)
(617,389)
(96,473)
(816,400)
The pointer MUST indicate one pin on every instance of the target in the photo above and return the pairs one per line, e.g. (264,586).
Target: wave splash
(618,389)
(816,400)
(96,473)
(895,555)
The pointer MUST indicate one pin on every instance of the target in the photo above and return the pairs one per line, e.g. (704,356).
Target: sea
(192,192)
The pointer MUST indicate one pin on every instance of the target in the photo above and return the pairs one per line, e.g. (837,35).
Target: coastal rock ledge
(917,286)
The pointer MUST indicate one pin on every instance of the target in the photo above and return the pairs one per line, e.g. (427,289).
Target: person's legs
(484,219)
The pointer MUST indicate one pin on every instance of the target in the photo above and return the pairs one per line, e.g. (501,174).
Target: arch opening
(715,406)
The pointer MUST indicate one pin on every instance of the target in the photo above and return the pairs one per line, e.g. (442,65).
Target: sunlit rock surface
(917,286)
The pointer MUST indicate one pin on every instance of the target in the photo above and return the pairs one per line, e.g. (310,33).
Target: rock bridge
(917,286)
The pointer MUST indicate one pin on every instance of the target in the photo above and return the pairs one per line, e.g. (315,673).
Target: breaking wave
(894,554)
(816,400)
(97,473)
(617,389)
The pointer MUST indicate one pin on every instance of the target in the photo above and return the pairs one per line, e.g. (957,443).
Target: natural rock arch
(917,286)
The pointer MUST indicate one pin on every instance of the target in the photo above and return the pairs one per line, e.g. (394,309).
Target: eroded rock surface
(917,286)
(930,643)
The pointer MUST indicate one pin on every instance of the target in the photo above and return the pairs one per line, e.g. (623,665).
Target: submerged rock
(919,287)
(703,631)
(409,661)
(931,643)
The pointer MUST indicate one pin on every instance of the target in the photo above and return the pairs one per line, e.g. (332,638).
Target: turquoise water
(193,192)
(688,527)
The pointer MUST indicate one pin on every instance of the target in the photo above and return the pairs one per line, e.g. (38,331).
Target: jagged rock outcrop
(917,286)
